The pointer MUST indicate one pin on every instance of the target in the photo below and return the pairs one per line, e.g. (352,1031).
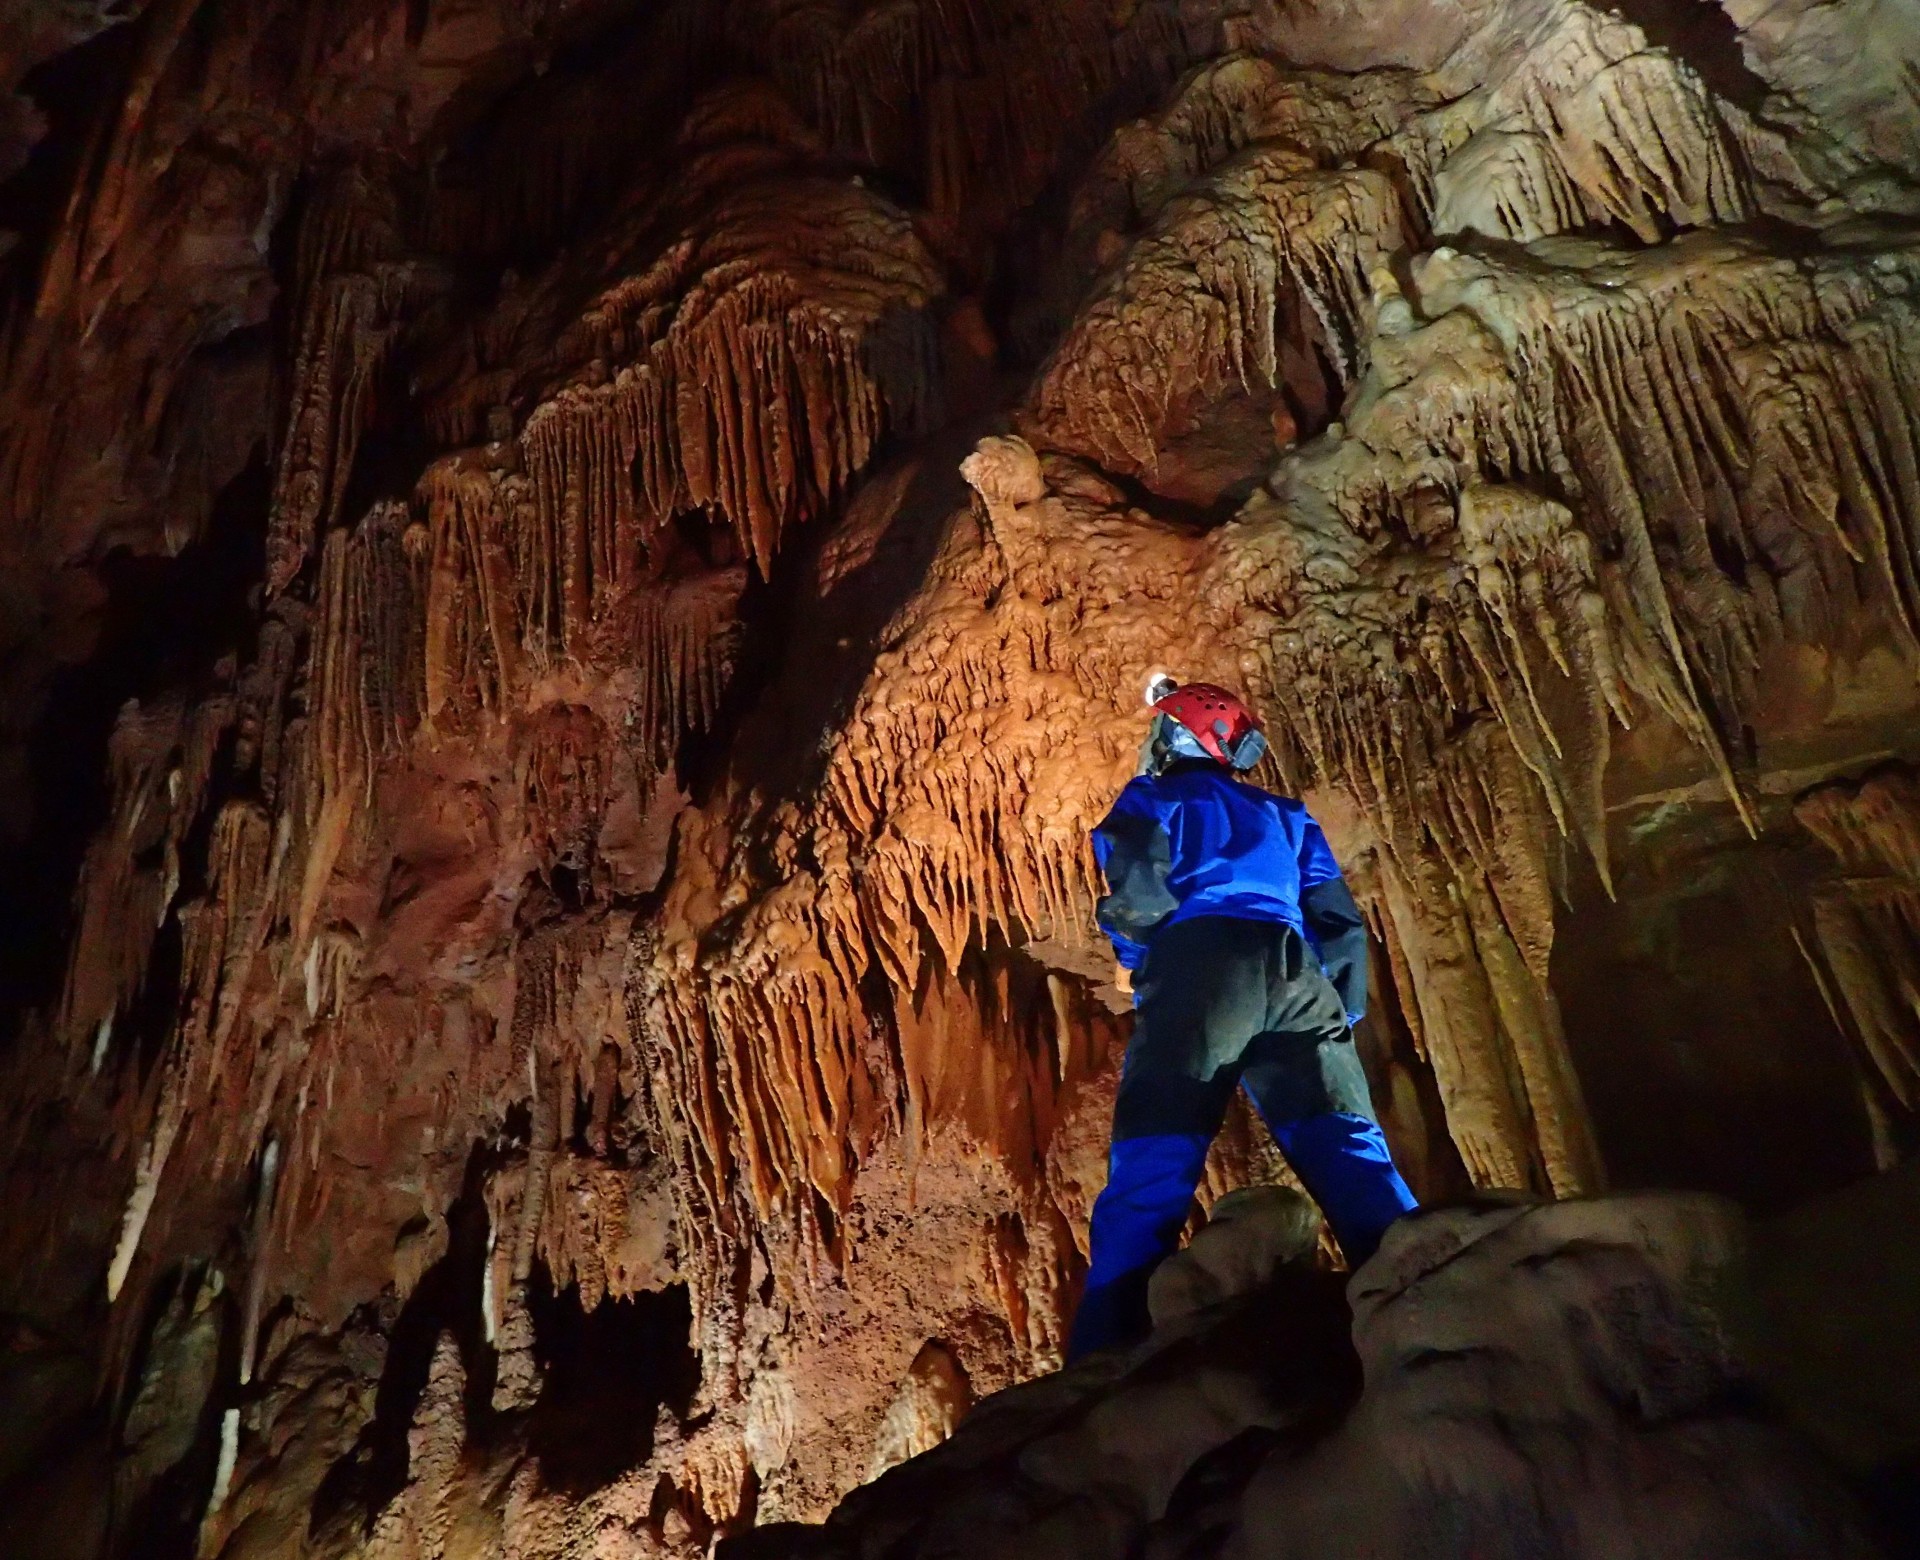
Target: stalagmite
(933,1399)
(223,1469)
(422,1520)
(260,1249)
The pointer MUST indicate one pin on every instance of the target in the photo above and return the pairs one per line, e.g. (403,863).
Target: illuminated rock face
(575,577)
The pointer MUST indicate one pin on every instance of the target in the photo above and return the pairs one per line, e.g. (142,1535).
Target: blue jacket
(1194,841)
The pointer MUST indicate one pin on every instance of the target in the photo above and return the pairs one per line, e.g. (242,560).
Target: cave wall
(577,574)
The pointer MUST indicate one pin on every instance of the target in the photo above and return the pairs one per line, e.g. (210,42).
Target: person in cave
(1248,960)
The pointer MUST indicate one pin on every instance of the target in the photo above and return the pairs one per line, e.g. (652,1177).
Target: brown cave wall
(1705,1051)
(603,557)
(1712,1033)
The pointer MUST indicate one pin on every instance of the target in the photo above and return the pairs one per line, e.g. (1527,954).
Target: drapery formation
(635,841)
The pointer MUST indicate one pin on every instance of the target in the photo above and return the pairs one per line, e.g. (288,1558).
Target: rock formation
(1529,1380)
(573,577)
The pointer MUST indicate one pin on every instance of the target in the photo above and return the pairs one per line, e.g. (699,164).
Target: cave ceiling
(575,573)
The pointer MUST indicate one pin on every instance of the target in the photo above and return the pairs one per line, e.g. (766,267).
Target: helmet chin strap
(1168,743)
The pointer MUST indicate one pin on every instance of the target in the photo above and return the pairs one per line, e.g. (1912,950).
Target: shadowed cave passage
(1707,1054)
(1707,38)
(608,1371)
(161,624)
(445,1301)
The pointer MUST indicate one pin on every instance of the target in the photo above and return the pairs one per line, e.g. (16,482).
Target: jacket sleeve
(1335,926)
(1136,854)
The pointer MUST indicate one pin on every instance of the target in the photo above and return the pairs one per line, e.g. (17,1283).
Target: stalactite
(476,637)
(386,615)
(681,1110)
(1230,105)
(243,866)
(1377,643)
(335,754)
(1567,622)
(786,1108)
(364,666)
(354,289)
(607,1229)
(1577,614)
(972,98)
(1586,126)
(565,785)
(684,637)
(258,1251)
(219,935)
(160,762)
(743,373)
(1582,127)
(1557,620)
(1215,272)
(173,1086)
(988,831)
(229,1455)
(1866,925)
(1725,427)
(539,966)
(749,372)
(264,691)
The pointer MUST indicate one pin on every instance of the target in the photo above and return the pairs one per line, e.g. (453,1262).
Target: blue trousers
(1223,1002)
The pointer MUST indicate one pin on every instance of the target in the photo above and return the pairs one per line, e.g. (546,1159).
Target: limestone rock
(933,1399)
(1529,1379)
(575,574)
(1249,1235)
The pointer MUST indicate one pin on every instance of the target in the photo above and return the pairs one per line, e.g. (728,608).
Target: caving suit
(1249,961)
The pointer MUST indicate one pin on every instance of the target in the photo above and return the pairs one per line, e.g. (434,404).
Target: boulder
(1500,1382)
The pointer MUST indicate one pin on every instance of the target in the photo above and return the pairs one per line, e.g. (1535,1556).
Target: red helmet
(1225,728)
